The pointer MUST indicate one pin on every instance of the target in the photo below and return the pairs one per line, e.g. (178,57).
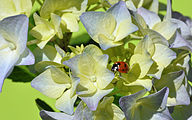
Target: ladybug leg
(119,74)
(114,72)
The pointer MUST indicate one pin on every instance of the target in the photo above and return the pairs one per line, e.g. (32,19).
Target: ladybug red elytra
(120,66)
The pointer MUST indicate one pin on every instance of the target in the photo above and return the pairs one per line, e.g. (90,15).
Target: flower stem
(65,41)
(32,42)
(39,2)
(96,7)
(113,93)
(31,25)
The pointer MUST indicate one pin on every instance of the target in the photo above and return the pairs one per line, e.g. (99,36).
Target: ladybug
(120,66)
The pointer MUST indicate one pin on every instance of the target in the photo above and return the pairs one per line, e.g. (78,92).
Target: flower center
(112,37)
(68,86)
(93,78)
(12,46)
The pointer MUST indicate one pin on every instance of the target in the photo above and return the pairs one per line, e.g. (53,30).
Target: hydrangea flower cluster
(157,84)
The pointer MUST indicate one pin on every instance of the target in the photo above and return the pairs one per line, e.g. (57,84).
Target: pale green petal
(139,22)
(15,30)
(172,80)
(154,6)
(182,113)
(54,115)
(61,52)
(165,28)
(26,58)
(42,44)
(151,18)
(56,20)
(15,7)
(4,44)
(69,23)
(163,55)
(131,90)
(145,45)
(139,108)
(144,62)
(177,41)
(182,60)
(104,76)
(59,76)
(185,30)
(181,97)
(178,94)
(133,73)
(130,5)
(120,12)
(79,112)
(106,110)
(106,43)
(73,64)
(97,54)
(156,70)
(105,101)
(118,113)
(48,54)
(88,113)
(38,21)
(128,105)
(26,6)
(92,100)
(93,50)
(102,59)
(60,6)
(97,23)
(157,101)
(87,65)
(7,8)
(85,86)
(74,82)
(46,85)
(169,11)
(124,29)
(66,103)
(146,83)
(42,32)
(165,115)
(156,37)
(7,62)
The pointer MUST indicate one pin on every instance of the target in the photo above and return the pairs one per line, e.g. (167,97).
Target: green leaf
(150,107)
(166,28)
(21,74)
(43,105)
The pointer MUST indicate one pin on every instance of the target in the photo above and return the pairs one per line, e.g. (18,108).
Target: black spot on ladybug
(123,70)
(125,65)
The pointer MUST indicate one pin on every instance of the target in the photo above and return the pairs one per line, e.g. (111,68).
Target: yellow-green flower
(15,7)
(55,83)
(110,27)
(13,47)
(106,111)
(95,78)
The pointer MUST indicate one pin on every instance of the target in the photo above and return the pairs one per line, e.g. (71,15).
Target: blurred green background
(17,100)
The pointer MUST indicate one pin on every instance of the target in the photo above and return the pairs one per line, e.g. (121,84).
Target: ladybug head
(115,67)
